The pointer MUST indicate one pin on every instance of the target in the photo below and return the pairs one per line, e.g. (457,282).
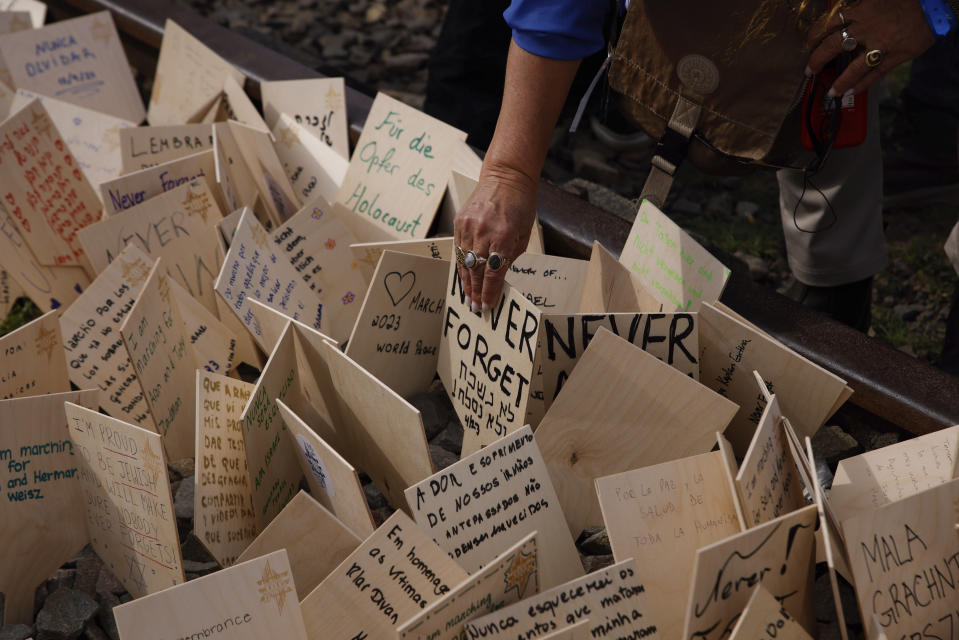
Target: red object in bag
(819,117)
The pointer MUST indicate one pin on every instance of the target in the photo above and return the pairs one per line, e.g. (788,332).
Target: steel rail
(888,383)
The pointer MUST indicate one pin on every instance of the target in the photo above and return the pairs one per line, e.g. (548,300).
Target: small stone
(451,438)
(880,440)
(435,409)
(405,61)
(64,614)
(108,583)
(747,209)
(381,515)
(758,269)
(908,312)
(374,497)
(441,457)
(595,563)
(193,549)
(88,573)
(832,444)
(93,632)
(184,467)
(105,616)
(15,632)
(597,544)
(183,501)
(375,13)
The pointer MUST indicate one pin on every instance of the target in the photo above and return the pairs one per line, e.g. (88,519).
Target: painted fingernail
(808,72)
(469,303)
(485,307)
(831,94)
(849,92)
(475,307)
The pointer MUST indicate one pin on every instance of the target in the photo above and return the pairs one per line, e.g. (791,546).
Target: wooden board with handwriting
(904,556)
(145,147)
(94,347)
(478,507)
(214,344)
(622,409)
(314,169)
(396,573)
(188,79)
(333,481)
(765,618)
(672,266)
(317,104)
(255,269)
(80,60)
(271,459)
(129,507)
(768,479)
(879,477)
(730,351)
(302,527)
(610,287)
(397,332)
(136,188)
(232,174)
(552,283)
(249,601)
(660,516)
(486,362)
(174,226)
(49,287)
(44,190)
(31,359)
(779,555)
(163,359)
(223,500)
(613,598)
(315,242)
(509,577)
(42,519)
(671,337)
(92,137)
(400,168)
(9,291)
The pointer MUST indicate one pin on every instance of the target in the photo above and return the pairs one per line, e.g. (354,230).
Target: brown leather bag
(730,71)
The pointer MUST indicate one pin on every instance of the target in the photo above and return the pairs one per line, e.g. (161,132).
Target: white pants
(844,242)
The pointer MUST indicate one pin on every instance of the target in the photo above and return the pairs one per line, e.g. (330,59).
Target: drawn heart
(399,286)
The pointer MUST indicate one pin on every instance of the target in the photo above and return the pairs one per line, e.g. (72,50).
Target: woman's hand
(498,217)
(896,28)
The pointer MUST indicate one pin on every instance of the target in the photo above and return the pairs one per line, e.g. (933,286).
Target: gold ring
(873,58)
(460,256)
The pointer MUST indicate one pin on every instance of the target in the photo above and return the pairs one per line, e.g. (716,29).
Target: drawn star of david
(100,31)
(46,342)
(274,586)
(136,573)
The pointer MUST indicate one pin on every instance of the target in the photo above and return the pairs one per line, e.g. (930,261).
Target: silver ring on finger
(471,260)
(849,43)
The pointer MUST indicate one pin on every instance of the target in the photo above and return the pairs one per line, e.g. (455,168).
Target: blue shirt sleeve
(560,29)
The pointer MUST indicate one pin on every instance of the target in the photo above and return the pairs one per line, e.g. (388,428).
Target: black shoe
(850,303)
